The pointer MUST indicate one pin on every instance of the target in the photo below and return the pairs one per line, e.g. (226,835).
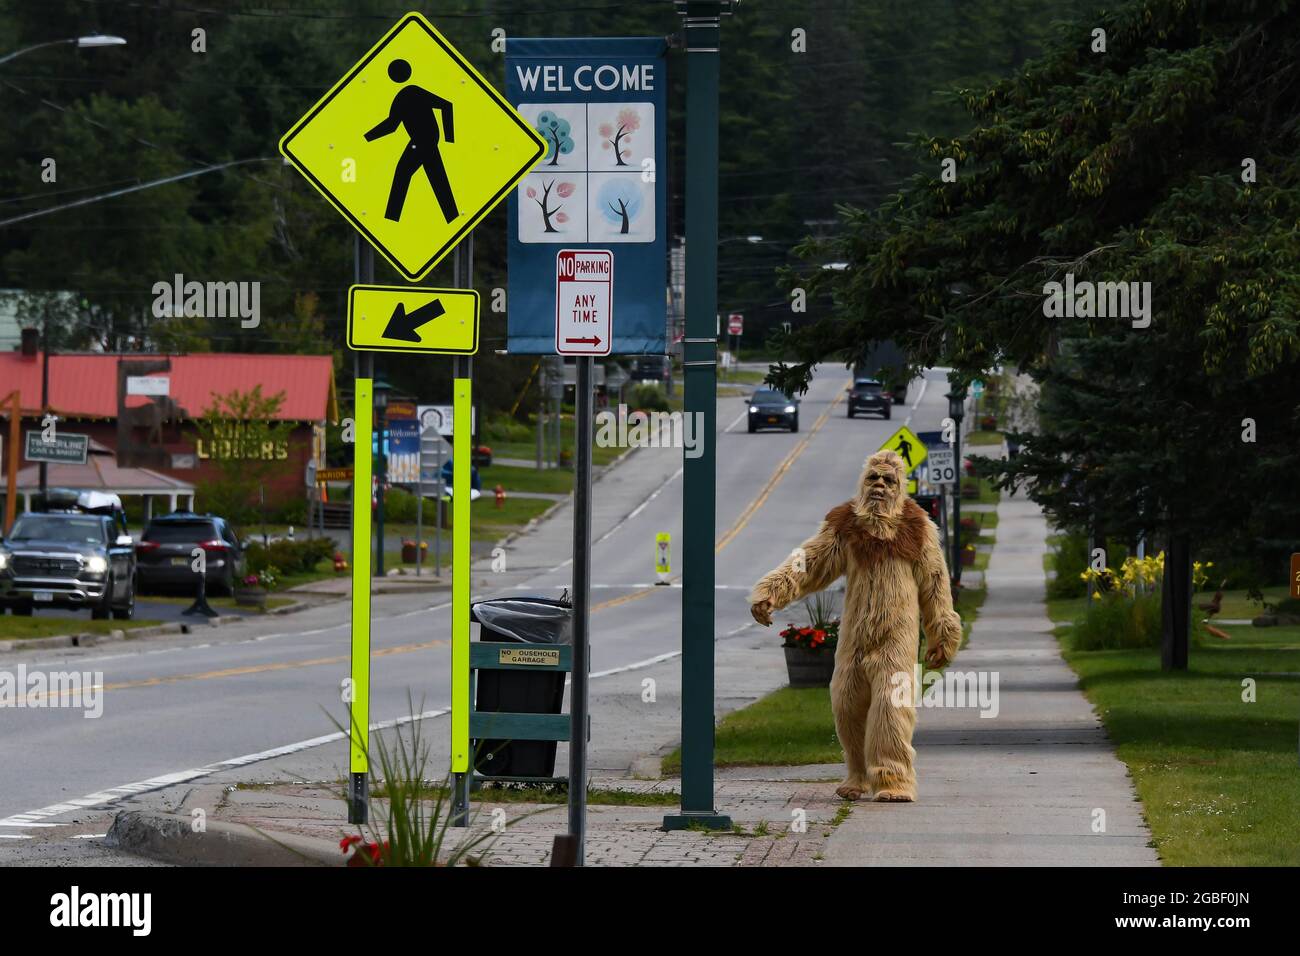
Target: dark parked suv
(868,395)
(68,559)
(166,551)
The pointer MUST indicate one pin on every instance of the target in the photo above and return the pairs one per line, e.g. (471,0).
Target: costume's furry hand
(939,653)
(762,611)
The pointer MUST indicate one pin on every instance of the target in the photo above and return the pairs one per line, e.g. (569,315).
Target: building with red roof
(144,407)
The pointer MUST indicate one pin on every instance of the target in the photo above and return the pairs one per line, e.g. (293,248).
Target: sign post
(415,131)
(359,711)
(578,721)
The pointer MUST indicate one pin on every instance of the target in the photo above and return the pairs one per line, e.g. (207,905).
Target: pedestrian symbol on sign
(413,108)
(908,447)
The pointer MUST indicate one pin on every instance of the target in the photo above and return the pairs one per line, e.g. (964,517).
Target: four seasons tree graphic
(628,122)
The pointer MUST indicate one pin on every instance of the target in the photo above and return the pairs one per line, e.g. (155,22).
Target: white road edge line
(920,395)
(36,818)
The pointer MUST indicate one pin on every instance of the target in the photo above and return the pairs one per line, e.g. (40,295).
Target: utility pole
(956,411)
(45,392)
(702,21)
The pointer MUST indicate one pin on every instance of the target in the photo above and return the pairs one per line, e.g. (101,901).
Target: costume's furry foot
(850,791)
(893,796)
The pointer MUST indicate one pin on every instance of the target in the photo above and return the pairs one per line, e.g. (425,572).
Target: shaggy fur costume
(889,550)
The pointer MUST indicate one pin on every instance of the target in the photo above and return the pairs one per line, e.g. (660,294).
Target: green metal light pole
(702,20)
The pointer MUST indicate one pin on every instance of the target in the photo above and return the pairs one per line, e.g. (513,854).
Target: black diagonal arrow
(403,325)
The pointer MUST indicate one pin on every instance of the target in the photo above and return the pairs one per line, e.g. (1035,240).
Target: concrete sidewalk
(1039,783)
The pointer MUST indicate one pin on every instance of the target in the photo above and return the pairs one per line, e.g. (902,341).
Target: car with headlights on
(769,408)
(69,560)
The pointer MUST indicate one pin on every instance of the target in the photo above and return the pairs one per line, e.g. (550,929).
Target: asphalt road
(239,692)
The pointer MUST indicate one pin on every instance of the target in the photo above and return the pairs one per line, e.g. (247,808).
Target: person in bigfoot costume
(889,550)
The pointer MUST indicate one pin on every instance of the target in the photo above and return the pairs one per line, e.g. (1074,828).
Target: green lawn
(793,726)
(22,628)
(979,490)
(514,478)
(984,438)
(1216,775)
(748,377)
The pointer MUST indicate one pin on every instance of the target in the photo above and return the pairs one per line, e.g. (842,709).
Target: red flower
(819,634)
(348,841)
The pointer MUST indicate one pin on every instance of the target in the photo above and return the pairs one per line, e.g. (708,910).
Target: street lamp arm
(136,188)
(38,46)
(89,40)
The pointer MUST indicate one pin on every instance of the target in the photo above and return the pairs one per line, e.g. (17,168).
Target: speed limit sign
(943,468)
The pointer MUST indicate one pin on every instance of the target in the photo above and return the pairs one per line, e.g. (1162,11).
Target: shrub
(399,506)
(649,398)
(503,428)
(290,557)
(1071,561)
(1116,621)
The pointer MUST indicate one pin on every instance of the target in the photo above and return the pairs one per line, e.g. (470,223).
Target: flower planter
(967,558)
(809,668)
(250,597)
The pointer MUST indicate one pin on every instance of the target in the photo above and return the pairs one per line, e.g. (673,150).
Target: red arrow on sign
(594,340)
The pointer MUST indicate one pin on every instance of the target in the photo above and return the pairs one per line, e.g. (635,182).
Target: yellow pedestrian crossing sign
(386,318)
(908,447)
(413,146)
(663,542)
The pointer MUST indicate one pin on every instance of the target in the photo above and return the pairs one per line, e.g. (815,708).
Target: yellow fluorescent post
(460,486)
(361,461)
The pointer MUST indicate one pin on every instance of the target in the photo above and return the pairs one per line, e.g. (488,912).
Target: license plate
(42,595)
(771,419)
(180,562)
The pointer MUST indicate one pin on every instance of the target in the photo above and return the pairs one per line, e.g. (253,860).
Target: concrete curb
(172,839)
(90,639)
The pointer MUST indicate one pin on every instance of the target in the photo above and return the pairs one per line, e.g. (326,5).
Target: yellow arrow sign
(389,318)
(413,146)
(908,447)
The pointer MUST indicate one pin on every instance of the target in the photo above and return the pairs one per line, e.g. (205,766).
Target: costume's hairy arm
(941,623)
(810,567)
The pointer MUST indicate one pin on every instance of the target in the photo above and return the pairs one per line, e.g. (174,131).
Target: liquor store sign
(236,441)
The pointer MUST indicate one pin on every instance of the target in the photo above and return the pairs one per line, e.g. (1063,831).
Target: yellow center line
(745,517)
(777,475)
(252,669)
(750,510)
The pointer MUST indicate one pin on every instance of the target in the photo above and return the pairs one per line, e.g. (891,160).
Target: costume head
(882,488)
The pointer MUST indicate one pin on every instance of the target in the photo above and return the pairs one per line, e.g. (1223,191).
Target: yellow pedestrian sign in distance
(908,447)
(386,318)
(413,146)
(663,567)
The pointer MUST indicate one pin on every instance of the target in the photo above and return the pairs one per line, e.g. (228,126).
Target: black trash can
(523,620)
